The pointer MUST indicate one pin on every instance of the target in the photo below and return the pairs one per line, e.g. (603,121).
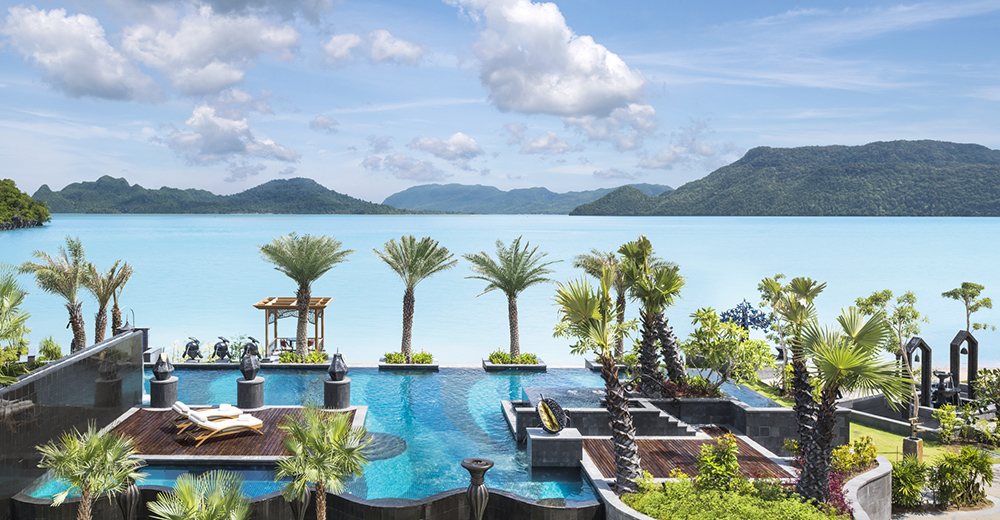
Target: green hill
(18,210)
(462,198)
(291,196)
(904,178)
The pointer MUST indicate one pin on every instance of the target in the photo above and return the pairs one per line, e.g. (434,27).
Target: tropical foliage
(17,209)
(119,279)
(595,264)
(500,357)
(325,453)
(103,286)
(414,261)
(968,294)
(961,478)
(64,275)
(724,349)
(13,328)
(304,259)
(908,479)
(515,269)
(214,495)
(93,462)
(417,358)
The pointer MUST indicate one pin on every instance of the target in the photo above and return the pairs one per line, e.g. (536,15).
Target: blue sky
(372,97)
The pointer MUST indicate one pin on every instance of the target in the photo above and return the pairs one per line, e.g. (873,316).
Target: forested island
(18,210)
(897,178)
(464,198)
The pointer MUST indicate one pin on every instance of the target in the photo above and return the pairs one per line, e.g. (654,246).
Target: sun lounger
(182,421)
(206,429)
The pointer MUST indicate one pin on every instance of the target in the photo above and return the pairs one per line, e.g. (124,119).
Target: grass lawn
(765,390)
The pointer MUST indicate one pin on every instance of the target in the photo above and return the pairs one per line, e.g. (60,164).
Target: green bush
(853,457)
(949,421)
(718,466)
(961,478)
(908,479)
(312,357)
(49,349)
(500,357)
(419,358)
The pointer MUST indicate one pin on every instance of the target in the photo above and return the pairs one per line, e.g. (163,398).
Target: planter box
(494,367)
(596,367)
(422,367)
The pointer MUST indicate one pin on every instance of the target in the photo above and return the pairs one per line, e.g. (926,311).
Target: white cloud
(613,173)
(288,171)
(235,103)
(311,10)
(213,138)
(532,62)
(208,52)
(240,170)
(516,131)
(548,144)
(459,149)
(690,146)
(624,128)
(378,144)
(75,55)
(404,167)
(386,47)
(340,47)
(322,123)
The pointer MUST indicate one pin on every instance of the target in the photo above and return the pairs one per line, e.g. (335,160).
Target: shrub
(695,386)
(835,497)
(419,358)
(422,358)
(961,478)
(853,457)
(988,386)
(312,357)
(718,466)
(792,446)
(949,423)
(49,349)
(500,357)
(908,479)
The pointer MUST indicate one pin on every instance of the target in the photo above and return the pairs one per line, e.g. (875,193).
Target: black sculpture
(957,350)
(192,349)
(338,368)
(925,366)
(222,349)
(162,370)
(946,392)
(553,417)
(252,348)
(477,494)
(250,364)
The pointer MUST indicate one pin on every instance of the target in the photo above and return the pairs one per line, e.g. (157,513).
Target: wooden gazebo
(276,308)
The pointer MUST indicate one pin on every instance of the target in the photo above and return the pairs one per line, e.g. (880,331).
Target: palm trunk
(812,479)
(320,500)
(302,297)
(116,318)
(83,512)
(670,350)
(515,342)
(650,379)
(79,327)
(627,463)
(620,342)
(408,302)
(101,323)
(825,425)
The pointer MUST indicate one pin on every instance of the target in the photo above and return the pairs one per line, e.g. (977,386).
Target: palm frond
(414,261)
(515,269)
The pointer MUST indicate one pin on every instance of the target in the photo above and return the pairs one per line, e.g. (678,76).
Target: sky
(372,97)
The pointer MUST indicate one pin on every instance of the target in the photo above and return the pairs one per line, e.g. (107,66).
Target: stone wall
(870,494)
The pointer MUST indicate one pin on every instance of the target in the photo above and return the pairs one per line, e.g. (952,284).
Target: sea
(199,275)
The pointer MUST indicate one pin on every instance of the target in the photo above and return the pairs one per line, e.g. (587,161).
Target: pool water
(441,417)
(257,480)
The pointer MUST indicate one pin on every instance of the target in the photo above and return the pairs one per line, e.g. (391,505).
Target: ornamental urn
(249,366)
(338,368)
(162,370)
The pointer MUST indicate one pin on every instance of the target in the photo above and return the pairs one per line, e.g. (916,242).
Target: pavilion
(276,308)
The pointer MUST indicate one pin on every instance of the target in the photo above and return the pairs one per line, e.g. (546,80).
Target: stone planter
(422,367)
(496,367)
(592,364)
(870,493)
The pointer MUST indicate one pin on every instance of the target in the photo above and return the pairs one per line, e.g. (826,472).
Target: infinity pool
(257,480)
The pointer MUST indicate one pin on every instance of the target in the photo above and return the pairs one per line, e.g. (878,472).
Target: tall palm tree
(93,462)
(118,280)
(656,286)
(846,360)
(64,275)
(303,259)
(594,264)
(13,332)
(591,317)
(325,452)
(214,495)
(101,285)
(514,270)
(414,261)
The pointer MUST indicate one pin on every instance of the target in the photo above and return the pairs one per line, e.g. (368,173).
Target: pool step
(593,422)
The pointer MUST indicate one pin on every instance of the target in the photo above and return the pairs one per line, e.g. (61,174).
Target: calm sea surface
(199,275)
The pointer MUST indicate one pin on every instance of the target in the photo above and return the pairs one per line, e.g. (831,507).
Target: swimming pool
(257,480)
(441,417)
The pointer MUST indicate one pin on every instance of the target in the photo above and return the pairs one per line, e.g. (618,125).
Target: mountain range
(463,198)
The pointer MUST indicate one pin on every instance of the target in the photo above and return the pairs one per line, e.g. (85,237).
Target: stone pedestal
(163,394)
(250,394)
(555,450)
(337,394)
(108,393)
(914,447)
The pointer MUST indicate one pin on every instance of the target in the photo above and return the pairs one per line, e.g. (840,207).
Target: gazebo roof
(285,303)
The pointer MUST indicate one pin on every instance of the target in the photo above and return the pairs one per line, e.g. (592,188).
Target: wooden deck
(154,434)
(661,456)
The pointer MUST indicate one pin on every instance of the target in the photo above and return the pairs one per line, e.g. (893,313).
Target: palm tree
(303,259)
(64,275)
(325,452)
(594,264)
(656,286)
(414,261)
(592,319)
(13,331)
(93,462)
(101,285)
(514,270)
(214,495)
(118,280)
(845,360)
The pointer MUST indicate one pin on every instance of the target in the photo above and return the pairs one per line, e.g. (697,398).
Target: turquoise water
(441,417)
(257,480)
(200,274)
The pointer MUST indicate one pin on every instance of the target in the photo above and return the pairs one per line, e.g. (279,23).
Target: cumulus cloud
(208,52)
(241,170)
(377,144)
(516,131)
(624,128)
(235,103)
(340,47)
(532,62)
(311,10)
(547,144)
(322,123)
(371,163)
(458,149)
(386,47)
(613,173)
(689,145)
(212,138)
(404,167)
(74,55)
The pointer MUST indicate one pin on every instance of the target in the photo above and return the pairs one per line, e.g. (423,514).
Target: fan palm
(13,332)
(64,275)
(93,462)
(845,360)
(594,264)
(590,317)
(303,259)
(514,270)
(414,261)
(101,285)
(118,281)
(214,495)
(656,285)
(325,452)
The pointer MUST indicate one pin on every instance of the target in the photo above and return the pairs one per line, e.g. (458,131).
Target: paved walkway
(993,513)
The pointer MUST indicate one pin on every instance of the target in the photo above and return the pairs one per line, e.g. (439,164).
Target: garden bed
(498,367)
(421,367)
